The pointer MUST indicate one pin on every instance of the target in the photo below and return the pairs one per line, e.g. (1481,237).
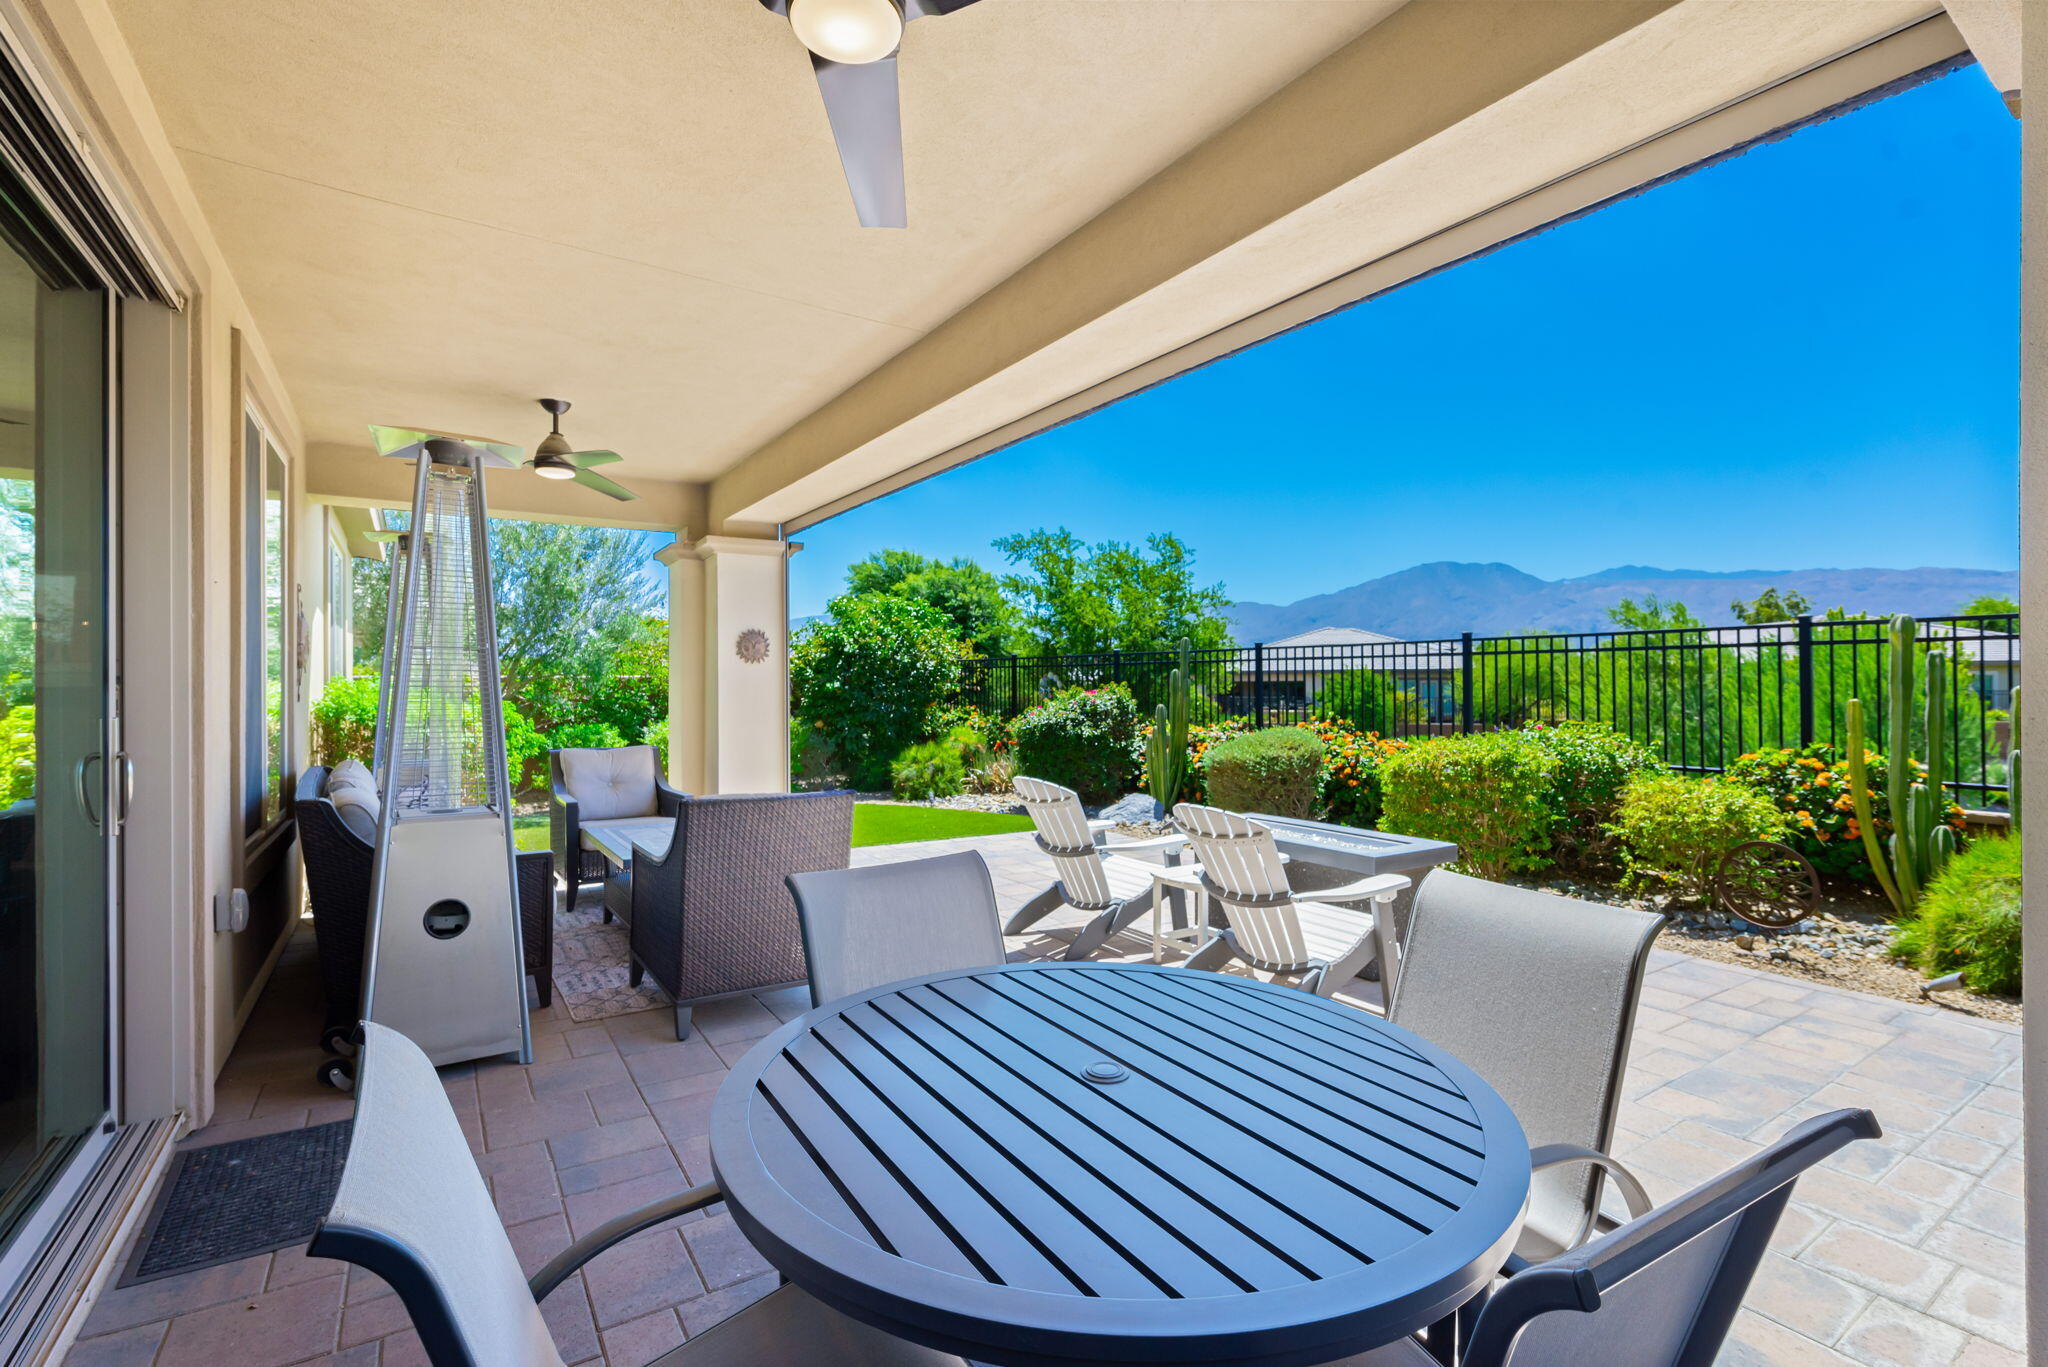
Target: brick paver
(1906,1250)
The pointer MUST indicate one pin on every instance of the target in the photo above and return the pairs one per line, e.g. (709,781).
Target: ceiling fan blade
(867,123)
(586,459)
(383,537)
(605,486)
(404,443)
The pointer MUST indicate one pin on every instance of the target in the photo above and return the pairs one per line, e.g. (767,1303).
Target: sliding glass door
(54,733)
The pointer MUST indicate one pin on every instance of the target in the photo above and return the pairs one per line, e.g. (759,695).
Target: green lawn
(883,823)
(874,823)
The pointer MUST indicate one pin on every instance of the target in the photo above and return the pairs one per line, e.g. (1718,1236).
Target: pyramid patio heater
(442,961)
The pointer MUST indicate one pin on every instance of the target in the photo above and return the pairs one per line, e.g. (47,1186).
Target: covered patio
(1907,1251)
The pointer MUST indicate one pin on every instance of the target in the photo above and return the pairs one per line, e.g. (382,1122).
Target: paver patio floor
(1903,1252)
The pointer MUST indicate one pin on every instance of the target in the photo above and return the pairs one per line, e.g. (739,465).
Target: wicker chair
(338,864)
(622,784)
(711,915)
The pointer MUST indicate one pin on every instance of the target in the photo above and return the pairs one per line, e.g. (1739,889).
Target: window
(340,626)
(265,643)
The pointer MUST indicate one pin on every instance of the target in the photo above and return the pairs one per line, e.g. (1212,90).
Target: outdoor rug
(591,966)
(225,1202)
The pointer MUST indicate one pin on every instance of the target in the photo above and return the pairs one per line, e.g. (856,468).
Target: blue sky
(1806,356)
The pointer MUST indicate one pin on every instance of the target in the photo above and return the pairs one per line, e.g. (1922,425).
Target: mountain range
(1449,597)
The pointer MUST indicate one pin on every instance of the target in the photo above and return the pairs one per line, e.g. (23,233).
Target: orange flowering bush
(1348,788)
(1811,787)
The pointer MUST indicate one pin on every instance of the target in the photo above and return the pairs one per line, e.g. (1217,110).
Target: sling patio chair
(1113,888)
(887,922)
(1538,992)
(413,1209)
(1271,927)
(1660,1291)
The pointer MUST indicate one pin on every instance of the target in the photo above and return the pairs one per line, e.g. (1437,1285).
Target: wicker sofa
(600,786)
(711,916)
(338,846)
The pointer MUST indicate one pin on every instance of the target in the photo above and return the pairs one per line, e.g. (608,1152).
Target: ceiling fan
(853,45)
(553,459)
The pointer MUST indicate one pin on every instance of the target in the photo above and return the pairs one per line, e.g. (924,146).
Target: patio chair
(413,1209)
(337,823)
(711,914)
(882,924)
(1660,1291)
(1113,888)
(1275,929)
(1538,993)
(618,786)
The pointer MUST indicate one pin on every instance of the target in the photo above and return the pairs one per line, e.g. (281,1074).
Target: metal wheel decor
(752,645)
(1766,884)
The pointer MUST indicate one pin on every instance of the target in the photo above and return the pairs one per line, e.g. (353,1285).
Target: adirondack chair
(1113,888)
(1275,929)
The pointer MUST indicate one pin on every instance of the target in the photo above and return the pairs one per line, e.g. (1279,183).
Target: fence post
(1805,680)
(1465,683)
(1259,685)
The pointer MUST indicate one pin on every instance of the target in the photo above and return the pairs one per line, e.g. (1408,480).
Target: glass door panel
(54,828)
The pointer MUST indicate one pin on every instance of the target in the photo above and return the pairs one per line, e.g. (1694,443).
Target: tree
(1993,605)
(1076,599)
(1771,606)
(968,595)
(369,596)
(568,597)
(869,676)
(1652,614)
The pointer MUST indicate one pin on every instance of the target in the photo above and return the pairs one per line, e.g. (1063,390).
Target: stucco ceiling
(440,212)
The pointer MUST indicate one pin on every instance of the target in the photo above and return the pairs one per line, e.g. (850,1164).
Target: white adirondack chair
(1275,929)
(1112,887)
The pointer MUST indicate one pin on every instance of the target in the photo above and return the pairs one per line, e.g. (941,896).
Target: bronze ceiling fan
(553,459)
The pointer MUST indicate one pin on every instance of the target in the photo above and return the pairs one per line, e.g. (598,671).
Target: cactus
(1921,840)
(1166,750)
(2012,767)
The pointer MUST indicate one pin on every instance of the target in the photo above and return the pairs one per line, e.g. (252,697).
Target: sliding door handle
(83,793)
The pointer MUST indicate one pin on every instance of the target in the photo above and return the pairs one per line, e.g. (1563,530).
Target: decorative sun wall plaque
(752,645)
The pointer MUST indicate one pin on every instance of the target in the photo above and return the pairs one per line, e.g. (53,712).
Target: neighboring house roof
(1330,650)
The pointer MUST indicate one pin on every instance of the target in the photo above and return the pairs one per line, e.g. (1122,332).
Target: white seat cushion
(357,807)
(610,783)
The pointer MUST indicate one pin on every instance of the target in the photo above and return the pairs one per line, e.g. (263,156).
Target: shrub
(1367,699)
(1594,764)
(1969,919)
(523,746)
(1811,788)
(585,735)
(1083,738)
(870,675)
(1348,789)
(1490,794)
(928,769)
(1201,741)
(657,736)
(1674,828)
(18,755)
(345,721)
(1274,771)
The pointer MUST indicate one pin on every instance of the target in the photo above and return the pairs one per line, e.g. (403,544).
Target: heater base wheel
(338,1073)
(339,1039)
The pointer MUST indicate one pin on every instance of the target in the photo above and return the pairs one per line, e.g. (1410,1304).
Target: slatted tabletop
(1103,1162)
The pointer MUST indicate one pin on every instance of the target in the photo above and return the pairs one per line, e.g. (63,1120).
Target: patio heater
(442,960)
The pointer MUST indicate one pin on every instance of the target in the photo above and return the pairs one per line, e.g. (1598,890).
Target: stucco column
(686,636)
(2034,627)
(729,664)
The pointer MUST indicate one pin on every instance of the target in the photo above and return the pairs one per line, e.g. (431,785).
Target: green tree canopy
(1990,605)
(869,675)
(1651,613)
(1074,599)
(1771,606)
(968,595)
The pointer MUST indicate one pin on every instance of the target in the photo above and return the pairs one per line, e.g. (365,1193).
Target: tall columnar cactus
(1921,840)
(2012,766)
(1166,751)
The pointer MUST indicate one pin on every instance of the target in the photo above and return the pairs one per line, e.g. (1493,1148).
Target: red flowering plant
(1811,787)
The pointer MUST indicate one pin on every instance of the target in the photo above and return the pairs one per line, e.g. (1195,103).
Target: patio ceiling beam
(1435,116)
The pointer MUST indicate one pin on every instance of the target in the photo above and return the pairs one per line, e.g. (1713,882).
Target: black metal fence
(1698,696)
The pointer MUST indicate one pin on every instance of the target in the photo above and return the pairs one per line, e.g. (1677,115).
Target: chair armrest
(564,1264)
(1557,1155)
(1101,823)
(1157,842)
(1381,885)
(565,829)
(667,799)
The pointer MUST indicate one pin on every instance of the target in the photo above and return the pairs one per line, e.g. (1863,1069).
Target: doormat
(234,1200)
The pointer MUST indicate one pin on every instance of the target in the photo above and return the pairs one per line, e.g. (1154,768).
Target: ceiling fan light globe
(852,32)
(554,469)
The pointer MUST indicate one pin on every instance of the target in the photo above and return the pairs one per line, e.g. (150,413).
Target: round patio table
(1073,1162)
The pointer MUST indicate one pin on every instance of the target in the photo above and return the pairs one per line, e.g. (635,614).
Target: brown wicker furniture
(338,862)
(595,788)
(711,916)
